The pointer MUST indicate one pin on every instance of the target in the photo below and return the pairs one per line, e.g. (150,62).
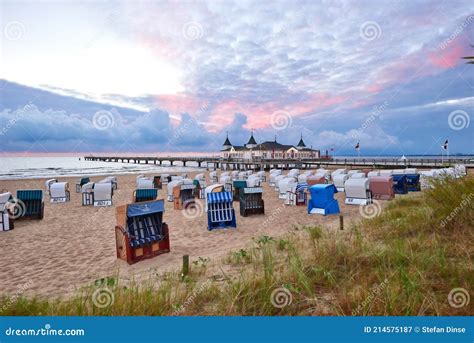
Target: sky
(121,76)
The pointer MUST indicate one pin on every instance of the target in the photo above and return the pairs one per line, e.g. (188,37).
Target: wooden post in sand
(185,270)
(341,222)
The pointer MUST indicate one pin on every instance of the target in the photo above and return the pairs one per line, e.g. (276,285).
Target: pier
(216,162)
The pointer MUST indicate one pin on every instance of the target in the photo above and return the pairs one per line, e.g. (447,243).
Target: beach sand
(74,245)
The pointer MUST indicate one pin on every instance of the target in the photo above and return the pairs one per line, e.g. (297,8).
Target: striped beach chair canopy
(219,197)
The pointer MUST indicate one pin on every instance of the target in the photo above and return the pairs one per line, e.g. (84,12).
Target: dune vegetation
(414,258)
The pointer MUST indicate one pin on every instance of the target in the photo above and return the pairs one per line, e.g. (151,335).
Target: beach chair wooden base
(136,254)
(60,199)
(7,222)
(260,209)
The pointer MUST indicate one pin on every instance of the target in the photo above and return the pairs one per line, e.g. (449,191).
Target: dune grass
(405,261)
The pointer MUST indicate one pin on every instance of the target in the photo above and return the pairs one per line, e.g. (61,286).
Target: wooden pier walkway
(216,162)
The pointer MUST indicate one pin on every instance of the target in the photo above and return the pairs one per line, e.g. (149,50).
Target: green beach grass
(405,261)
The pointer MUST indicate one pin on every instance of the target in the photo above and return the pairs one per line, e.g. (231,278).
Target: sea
(47,166)
(31,167)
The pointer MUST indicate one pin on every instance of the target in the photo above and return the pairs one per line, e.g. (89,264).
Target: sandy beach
(74,245)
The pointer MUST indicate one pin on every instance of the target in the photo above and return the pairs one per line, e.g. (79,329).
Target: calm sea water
(39,167)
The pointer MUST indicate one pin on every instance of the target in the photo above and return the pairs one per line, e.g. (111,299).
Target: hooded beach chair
(145,183)
(339,181)
(373,173)
(277,181)
(400,183)
(298,195)
(81,182)
(460,170)
(253,181)
(261,176)
(165,178)
(357,191)
(316,179)
(213,176)
(157,182)
(235,175)
(29,204)
(302,178)
(140,232)
(322,200)
(359,175)
(220,210)
(59,192)
(225,176)
(112,180)
(426,178)
(6,212)
(87,192)
(184,194)
(413,182)
(286,185)
(237,185)
(48,184)
(294,173)
(199,188)
(251,201)
(338,171)
(147,194)
(381,187)
(352,172)
(102,194)
(170,188)
(243,175)
(273,175)
(386,172)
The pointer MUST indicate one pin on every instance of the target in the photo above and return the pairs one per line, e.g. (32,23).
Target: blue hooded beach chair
(81,182)
(400,183)
(413,182)
(29,204)
(220,210)
(322,199)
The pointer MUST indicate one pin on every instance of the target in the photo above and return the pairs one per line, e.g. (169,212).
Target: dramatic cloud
(387,74)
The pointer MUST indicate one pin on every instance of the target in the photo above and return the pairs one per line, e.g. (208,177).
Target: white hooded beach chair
(373,173)
(145,183)
(386,172)
(261,176)
(235,175)
(460,170)
(48,183)
(87,192)
(277,181)
(243,175)
(339,180)
(426,176)
(6,223)
(213,176)
(170,187)
(253,181)
(357,191)
(59,192)
(225,175)
(103,194)
(112,180)
(357,176)
(338,171)
(352,172)
(293,173)
(286,185)
(273,174)
(164,178)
